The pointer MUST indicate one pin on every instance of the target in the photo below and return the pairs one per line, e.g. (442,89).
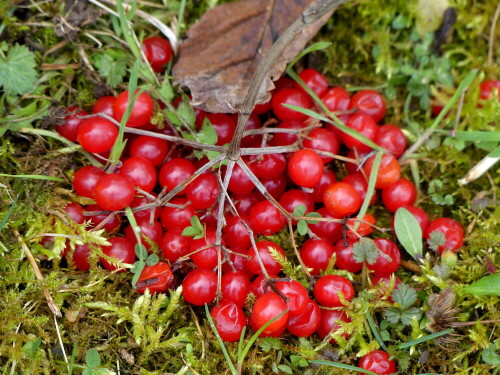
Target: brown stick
(50,301)
(410,266)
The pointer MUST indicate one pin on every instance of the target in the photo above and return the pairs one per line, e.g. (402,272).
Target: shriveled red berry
(157,278)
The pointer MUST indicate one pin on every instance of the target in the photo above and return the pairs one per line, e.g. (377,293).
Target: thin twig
(491,42)
(50,301)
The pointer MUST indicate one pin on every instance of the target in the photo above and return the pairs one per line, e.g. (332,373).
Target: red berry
(307,322)
(207,258)
(240,183)
(327,287)
(269,263)
(121,249)
(158,52)
(316,81)
(267,307)
(322,140)
(141,201)
(97,134)
(385,281)
(329,323)
(290,96)
(327,230)
(224,126)
(364,125)
(199,287)
(266,219)
(244,202)
(85,180)
(317,191)
(235,286)
(294,198)
(174,172)
(268,165)
(316,254)
(151,148)
(80,258)
(69,129)
(365,227)
(342,200)
(76,212)
(229,320)
(399,193)
(392,139)
(285,139)
(172,217)
(389,170)
(389,261)
(151,234)
(297,295)
(112,221)
(359,183)
(486,89)
(141,171)
(378,362)
(305,168)
(345,259)
(336,99)
(203,191)
(260,286)
(104,105)
(275,186)
(370,103)
(114,192)
(157,278)
(452,231)
(141,112)
(235,232)
(174,245)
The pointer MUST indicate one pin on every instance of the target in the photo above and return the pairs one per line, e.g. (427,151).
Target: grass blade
(221,343)
(341,365)
(425,338)
(7,215)
(370,190)
(243,354)
(33,177)
(375,331)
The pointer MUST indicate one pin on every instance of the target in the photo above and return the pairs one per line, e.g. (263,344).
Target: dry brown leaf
(222,52)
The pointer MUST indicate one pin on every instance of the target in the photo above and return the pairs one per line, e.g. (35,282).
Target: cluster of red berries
(151,167)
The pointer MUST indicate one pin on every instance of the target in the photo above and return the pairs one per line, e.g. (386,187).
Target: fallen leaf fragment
(222,52)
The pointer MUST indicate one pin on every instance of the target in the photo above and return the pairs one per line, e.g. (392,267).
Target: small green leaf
(207,134)
(17,71)
(174,119)
(490,356)
(285,369)
(300,210)
(436,239)
(298,361)
(140,251)
(186,112)
(313,214)
(365,250)
(166,92)
(409,232)
(112,65)
(30,349)
(408,315)
(152,260)
(92,358)
(487,286)
(404,295)
(269,343)
(392,314)
(302,227)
